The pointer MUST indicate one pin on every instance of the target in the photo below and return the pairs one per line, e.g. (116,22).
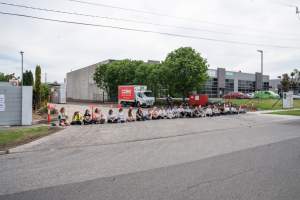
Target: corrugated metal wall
(12,114)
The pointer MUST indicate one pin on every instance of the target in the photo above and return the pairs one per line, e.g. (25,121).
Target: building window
(229,86)
(266,86)
(210,88)
(246,86)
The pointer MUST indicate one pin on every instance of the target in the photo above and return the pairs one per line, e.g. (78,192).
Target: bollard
(49,113)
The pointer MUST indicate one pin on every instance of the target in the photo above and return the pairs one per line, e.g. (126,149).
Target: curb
(4,152)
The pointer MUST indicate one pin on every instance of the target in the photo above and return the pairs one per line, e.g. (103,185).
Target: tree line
(184,70)
(291,81)
(41,90)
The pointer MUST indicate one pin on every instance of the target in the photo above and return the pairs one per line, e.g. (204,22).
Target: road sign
(2,102)
(287,101)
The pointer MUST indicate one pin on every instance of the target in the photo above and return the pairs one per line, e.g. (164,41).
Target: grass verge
(262,104)
(13,137)
(287,112)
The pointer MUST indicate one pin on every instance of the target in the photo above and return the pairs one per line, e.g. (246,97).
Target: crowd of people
(155,113)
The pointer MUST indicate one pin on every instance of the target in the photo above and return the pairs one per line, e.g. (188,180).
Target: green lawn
(15,136)
(287,112)
(262,104)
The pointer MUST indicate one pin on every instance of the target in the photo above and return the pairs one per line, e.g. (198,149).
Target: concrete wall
(13,115)
(81,85)
(27,106)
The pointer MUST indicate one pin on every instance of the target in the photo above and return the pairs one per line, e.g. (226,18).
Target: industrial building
(221,82)
(82,87)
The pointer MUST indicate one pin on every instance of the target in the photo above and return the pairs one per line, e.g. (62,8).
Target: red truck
(135,95)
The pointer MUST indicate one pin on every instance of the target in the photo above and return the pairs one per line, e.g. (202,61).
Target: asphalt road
(251,160)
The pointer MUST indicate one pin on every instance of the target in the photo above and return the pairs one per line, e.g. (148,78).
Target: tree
(285,82)
(150,75)
(7,77)
(110,76)
(45,92)
(27,78)
(3,77)
(185,70)
(37,86)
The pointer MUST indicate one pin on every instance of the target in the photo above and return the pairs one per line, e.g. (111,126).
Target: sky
(269,25)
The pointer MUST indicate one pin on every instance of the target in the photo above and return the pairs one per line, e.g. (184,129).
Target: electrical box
(287,100)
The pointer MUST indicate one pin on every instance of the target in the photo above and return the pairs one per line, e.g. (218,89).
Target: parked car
(266,95)
(236,95)
(250,95)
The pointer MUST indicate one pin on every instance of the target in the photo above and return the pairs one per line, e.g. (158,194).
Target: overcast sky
(60,47)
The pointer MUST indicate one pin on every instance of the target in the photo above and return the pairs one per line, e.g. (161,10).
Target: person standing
(169,101)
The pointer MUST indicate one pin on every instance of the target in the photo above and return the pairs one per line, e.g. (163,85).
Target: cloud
(58,48)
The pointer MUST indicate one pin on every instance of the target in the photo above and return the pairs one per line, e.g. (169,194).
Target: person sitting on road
(77,118)
(121,117)
(111,118)
(234,110)
(181,111)
(162,113)
(202,111)
(226,109)
(216,111)
(241,110)
(155,114)
(150,114)
(208,111)
(170,114)
(62,117)
(196,112)
(188,111)
(98,117)
(130,117)
(175,112)
(140,115)
(87,117)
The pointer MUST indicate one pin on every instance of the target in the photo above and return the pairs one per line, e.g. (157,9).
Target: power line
(133,21)
(111,18)
(163,15)
(150,31)
(282,3)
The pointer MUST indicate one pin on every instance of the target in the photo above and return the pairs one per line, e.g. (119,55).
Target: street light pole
(262,61)
(21,52)
(262,67)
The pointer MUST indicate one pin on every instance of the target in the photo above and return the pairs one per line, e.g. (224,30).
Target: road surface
(250,156)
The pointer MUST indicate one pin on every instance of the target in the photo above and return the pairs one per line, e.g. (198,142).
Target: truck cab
(143,98)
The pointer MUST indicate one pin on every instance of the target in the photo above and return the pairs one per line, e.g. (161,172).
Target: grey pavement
(265,172)
(229,157)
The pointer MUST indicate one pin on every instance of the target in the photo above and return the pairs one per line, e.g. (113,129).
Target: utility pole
(45,77)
